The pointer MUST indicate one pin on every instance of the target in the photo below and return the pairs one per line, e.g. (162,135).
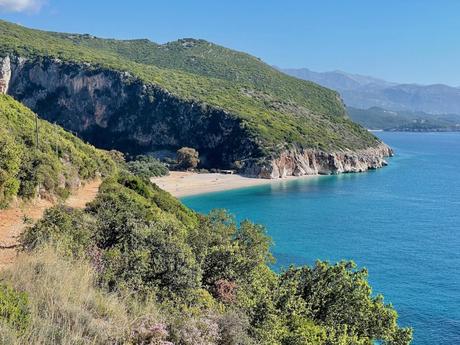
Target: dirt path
(12,219)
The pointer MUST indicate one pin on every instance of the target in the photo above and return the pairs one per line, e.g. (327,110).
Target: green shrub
(187,158)
(146,167)
(14,308)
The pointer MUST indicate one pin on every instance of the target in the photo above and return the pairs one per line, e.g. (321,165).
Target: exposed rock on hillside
(114,109)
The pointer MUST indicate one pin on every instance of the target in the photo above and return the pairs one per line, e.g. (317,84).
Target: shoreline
(185,183)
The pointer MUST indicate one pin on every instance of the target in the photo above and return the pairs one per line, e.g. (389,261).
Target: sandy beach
(185,183)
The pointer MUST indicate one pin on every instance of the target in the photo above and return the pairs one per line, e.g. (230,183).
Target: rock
(5,74)
(299,162)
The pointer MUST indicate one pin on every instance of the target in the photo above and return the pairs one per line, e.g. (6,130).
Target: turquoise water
(401,222)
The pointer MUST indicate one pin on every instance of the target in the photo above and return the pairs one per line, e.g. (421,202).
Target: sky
(408,41)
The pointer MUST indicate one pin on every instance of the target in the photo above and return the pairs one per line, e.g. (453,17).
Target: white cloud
(21,5)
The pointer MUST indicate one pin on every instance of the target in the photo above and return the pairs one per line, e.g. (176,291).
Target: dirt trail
(12,219)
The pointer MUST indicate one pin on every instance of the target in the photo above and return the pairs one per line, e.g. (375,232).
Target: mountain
(337,80)
(59,163)
(365,92)
(138,96)
(378,118)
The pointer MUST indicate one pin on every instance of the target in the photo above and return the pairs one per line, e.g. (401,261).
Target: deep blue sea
(402,222)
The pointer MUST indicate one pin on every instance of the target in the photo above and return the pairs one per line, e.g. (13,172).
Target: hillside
(378,118)
(365,92)
(60,163)
(138,97)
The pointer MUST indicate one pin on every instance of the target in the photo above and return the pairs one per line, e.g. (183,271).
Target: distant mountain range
(404,121)
(365,92)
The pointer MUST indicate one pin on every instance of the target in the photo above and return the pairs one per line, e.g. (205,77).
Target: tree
(187,158)
(339,298)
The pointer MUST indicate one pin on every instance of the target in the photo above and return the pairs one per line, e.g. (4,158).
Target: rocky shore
(300,162)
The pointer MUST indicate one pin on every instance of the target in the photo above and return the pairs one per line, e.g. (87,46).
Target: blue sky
(403,41)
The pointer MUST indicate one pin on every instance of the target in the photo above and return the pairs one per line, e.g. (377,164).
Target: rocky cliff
(299,162)
(113,109)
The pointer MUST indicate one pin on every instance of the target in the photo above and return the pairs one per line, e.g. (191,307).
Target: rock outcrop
(5,74)
(114,110)
(299,162)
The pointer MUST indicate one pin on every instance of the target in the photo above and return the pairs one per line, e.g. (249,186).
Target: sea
(401,222)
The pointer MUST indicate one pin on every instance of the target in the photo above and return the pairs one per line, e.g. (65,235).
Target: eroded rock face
(299,162)
(5,74)
(115,110)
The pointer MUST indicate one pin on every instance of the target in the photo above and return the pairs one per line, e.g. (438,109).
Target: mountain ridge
(364,92)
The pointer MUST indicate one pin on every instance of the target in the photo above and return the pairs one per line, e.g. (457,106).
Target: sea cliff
(116,110)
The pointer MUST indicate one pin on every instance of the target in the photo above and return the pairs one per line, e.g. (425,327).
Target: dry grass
(65,306)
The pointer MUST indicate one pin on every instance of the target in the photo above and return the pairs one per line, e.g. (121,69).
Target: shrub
(210,274)
(68,229)
(202,330)
(147,167)
(339,296)
(14,308)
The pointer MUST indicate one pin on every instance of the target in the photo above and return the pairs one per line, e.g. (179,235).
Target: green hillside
(57,165)
(275,108)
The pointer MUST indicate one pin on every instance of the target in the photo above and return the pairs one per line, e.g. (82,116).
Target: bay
(401,222)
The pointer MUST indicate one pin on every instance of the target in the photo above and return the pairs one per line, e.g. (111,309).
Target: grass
(275,108)
(65,306)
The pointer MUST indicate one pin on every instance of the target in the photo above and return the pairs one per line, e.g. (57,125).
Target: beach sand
(185,183)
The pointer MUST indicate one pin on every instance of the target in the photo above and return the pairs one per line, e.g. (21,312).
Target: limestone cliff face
(299,162)
(5,74)
(113,109)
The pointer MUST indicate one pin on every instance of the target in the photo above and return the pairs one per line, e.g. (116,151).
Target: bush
(147,167)
(339,297)
(14,309)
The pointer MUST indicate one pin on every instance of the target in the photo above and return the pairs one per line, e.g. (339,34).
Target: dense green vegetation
(57,165)
(13,308)
(275,108)
(207,277)
(378,118)
(147,167)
